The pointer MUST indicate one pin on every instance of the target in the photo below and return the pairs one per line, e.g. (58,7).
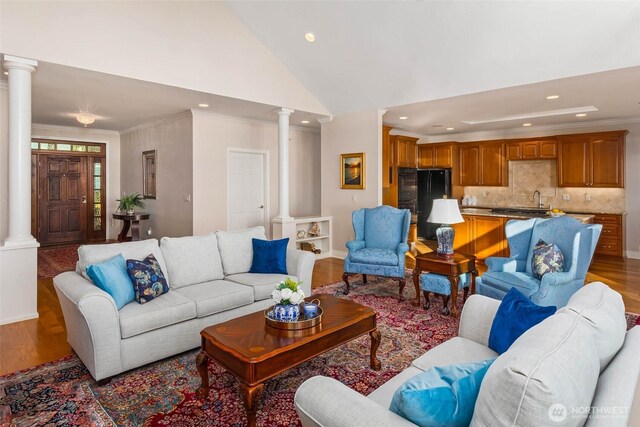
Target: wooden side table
(130,221)
(452,267)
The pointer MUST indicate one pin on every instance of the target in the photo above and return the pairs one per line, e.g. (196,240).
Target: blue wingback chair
(576,240)
(380,244)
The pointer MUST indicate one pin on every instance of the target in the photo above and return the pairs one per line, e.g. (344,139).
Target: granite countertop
(567,210)
(465,210)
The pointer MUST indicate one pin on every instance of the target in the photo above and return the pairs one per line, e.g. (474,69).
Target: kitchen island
(482,232)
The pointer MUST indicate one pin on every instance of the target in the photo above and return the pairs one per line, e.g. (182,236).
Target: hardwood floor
(32,342)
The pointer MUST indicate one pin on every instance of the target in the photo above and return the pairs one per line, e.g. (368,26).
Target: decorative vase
(286,313)
(129,211)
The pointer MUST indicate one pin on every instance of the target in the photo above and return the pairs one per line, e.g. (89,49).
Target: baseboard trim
(339,254)
(19,318)
(633,254)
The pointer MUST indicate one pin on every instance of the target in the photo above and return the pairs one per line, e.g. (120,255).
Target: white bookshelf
(322,241)
(291,227)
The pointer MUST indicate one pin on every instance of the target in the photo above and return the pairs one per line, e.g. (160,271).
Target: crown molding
(157,122)
(524,132)
(89,131)
(253,121)
(323,120)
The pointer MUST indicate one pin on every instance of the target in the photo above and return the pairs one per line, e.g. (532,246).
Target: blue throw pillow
(269,256)
(147,277)
(515,315)
(442,395)
(111,277)
(547,258)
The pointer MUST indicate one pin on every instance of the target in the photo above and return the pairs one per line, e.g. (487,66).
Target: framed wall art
(149,173)
(352,171)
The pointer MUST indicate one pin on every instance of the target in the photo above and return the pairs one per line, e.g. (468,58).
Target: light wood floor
(32,342)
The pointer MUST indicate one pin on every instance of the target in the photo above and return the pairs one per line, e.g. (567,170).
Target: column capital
(284,111)
(16,62)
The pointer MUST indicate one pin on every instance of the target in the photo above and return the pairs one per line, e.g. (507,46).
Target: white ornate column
(19,253)
(283,163)
(20,70)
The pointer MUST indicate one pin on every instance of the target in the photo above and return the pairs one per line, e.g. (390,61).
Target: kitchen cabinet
(387,154)
(531,149)
(436,155)
(591,160)
(611,241)
(482,236)
(405,151)
(483,164)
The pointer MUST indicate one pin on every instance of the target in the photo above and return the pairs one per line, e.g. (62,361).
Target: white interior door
(247,189)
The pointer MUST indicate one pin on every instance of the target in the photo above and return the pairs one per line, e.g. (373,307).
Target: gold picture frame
(149,173)
(353,168)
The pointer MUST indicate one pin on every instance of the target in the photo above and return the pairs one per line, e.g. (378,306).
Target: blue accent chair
(576,240)
(380,244)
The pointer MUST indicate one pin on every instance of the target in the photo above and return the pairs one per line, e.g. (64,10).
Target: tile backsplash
(529,175)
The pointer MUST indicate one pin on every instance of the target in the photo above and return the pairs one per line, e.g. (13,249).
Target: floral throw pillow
(547,258)
(147,277)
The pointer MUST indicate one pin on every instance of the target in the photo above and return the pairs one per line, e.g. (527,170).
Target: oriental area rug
(62,393)
(53,261)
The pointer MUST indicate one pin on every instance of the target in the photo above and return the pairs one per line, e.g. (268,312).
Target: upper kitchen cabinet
(405,151)
(531,149)
(387,155)
(436,155)
(483,164)
(591,160)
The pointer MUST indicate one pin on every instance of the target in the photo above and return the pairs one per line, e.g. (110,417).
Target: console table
(130,221)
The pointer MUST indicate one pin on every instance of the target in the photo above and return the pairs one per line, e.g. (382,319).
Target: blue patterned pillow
(147,277)
(547,258)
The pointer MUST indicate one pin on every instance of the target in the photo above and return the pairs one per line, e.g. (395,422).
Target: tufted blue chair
(576,240)
(380,244)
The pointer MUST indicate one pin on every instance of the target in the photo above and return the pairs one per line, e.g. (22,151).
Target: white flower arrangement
(288,292)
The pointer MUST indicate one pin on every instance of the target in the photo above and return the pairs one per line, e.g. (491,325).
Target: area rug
(163,393)
(53,261)
(63,393)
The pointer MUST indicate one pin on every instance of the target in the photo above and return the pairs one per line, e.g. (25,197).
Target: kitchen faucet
(540,205)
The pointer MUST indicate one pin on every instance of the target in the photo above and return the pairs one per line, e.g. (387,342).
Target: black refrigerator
(432,184)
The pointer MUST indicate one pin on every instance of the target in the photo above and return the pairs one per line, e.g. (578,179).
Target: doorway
(247,190)
(67,191)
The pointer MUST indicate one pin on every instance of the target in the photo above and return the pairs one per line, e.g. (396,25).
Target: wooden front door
(62,186)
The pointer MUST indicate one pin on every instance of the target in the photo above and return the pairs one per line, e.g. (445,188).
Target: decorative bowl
(556,214)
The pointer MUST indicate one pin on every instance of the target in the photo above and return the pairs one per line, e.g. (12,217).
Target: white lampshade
(445,211)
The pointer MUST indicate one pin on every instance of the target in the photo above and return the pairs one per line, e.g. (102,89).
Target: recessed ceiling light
(403,117)
(6,73)
(310,37)
(553,96)
(449,128)
(305,122)
(203,105)
(581,115)
(526,124)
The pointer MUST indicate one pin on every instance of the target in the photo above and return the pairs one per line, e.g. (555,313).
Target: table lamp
(445,212)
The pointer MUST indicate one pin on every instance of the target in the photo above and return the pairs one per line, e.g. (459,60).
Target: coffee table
(255,352)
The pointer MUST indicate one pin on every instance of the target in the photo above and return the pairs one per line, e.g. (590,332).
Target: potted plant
(129,202)
(287,297)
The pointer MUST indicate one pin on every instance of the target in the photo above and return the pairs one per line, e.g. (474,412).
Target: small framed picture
(352,171)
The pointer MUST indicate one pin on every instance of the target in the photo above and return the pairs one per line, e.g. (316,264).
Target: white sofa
(209,283)
(579,358)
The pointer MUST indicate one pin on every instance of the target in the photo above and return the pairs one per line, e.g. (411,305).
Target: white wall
(171,214)
(214,134)
(108,137)
(4,162)
(194,45)
(350,133)
(632,163)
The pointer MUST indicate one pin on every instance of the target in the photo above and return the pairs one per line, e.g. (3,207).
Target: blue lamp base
(445,234)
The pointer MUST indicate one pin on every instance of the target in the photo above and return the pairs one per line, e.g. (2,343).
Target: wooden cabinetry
(436,155)
(483,164)
(531,149)
(591,160)
(405,151)
(611,241)
(482,236)
(387,153)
